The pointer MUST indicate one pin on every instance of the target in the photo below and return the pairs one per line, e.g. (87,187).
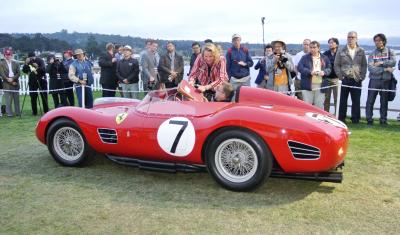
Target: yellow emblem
(120,117)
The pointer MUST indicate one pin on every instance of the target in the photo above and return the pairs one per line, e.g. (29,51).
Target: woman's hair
(214,51)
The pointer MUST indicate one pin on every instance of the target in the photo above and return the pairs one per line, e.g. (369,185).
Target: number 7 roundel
(176,136)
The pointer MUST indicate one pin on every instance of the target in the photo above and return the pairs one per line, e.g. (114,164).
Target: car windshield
(158,95)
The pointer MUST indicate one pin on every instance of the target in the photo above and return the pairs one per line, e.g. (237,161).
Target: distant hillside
(94,43)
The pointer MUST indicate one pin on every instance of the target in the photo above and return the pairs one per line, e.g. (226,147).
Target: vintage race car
(261,134)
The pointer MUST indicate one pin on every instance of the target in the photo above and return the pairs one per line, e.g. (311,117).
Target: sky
(291,21)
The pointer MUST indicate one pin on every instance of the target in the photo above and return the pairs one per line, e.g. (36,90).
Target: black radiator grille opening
(303,151)
(108,136)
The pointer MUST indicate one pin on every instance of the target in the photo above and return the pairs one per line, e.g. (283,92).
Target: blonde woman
(209,69)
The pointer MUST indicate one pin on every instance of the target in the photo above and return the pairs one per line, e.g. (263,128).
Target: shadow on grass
(131,185)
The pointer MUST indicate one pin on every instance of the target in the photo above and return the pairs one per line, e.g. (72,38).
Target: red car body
(286,125)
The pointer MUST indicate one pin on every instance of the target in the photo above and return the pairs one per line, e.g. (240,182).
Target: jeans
(377,84)
(88,96)
(315,97)
(128,88)
(355,95)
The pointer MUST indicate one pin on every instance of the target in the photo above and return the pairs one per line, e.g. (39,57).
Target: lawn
(38,196)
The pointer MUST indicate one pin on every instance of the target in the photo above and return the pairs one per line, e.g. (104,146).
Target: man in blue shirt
(238,63)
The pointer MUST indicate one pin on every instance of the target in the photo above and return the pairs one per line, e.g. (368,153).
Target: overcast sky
(291,21)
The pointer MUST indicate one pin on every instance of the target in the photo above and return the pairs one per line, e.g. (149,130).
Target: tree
(92,47)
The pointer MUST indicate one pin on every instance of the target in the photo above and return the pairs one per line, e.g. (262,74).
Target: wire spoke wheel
(236,160)
(68,144)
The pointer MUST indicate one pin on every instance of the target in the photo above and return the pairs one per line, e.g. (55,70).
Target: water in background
(392,105)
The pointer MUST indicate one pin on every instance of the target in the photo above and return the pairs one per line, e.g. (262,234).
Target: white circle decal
(176,136)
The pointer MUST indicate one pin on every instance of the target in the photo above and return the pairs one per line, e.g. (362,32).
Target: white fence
(24,88)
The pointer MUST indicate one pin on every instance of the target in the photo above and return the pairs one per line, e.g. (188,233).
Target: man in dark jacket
(69,93)
(170,67)
(351,68)
(108,77)
(314,67)
(55,68)
(35,68)
(238,63)
(128,73)
(196,49)
(332,78)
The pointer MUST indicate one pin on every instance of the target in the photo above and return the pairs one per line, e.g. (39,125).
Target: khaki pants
(238,82)
(329,91)
(315,97)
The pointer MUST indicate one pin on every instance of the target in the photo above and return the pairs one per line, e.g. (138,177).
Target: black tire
(59,153)
(259,160)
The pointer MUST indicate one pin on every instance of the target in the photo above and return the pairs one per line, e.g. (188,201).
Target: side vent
(108,136)
(303,151)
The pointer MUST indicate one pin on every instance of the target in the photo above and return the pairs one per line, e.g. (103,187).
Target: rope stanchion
(83,87)
(339,92)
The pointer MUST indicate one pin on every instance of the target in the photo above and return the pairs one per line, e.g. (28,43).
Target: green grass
(38,196)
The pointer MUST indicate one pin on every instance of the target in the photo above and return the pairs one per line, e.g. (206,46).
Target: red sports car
(261,134)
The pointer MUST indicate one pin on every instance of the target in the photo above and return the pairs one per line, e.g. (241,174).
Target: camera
(281,60)
(151,85)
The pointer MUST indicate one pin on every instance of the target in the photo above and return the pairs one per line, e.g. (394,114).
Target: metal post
(83,95)
(339,91)
(262,22)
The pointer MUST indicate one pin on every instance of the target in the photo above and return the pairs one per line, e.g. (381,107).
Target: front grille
(303,151)
(108,136)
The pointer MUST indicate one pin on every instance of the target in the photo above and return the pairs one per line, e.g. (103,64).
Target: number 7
(179,135)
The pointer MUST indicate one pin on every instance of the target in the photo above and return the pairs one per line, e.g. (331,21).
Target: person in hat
(108,75)
(9,75)
(35,68)
(279,67)
(128,73)
(80,72)
(170,67)
(68,84)
(238,63)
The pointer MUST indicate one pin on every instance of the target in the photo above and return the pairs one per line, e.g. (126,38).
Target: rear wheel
(67,144)
(239,160)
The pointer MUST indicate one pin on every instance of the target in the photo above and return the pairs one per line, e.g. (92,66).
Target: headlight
(326,119)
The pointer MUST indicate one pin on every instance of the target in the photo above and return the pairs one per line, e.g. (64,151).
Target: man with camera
(35,68)
(279,67)
(149,62)
(55,69)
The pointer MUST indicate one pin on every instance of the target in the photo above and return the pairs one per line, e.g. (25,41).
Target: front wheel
(67,144)
(239,160)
